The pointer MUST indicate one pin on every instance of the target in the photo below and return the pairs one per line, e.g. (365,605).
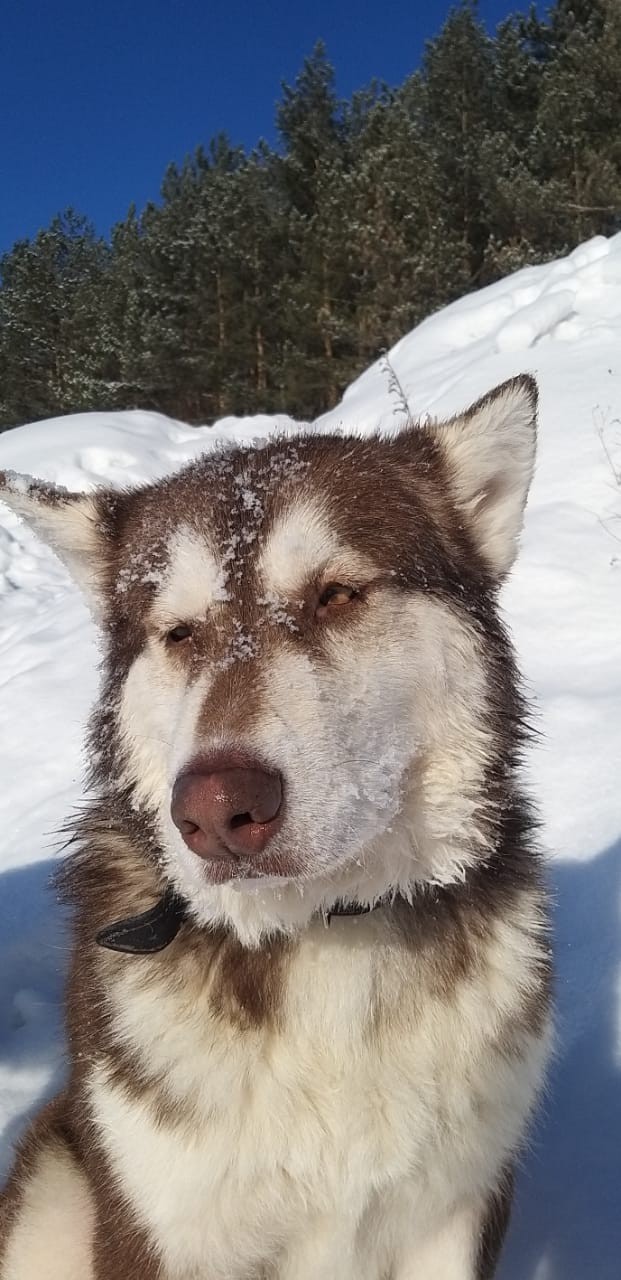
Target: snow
(562,322)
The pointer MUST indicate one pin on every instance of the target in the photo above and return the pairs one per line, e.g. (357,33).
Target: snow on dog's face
(307,693)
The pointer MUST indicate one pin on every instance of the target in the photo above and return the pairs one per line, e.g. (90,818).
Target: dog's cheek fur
(342,743)
(156,723)
(348,721)
(415,736)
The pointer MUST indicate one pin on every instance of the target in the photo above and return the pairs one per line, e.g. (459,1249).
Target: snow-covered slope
(561,321)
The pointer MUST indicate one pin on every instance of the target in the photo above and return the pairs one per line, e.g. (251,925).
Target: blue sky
(96,99)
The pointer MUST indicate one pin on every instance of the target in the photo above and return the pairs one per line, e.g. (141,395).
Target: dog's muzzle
(229,813)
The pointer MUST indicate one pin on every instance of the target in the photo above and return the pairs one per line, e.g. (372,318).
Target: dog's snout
(229,811)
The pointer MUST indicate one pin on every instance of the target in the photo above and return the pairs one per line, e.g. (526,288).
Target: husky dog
(308,1008)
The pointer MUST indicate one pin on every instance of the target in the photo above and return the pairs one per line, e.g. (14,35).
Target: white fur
(320,1137)
(491,451)
(360,1136)
(151,706)
(303,547)
(51,1239)
(396,771)
(386,743)
(301,541)
(447,1252)
(68,524)
(194,581)
(388,753)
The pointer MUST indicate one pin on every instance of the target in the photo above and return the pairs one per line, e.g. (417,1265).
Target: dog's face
(302,692)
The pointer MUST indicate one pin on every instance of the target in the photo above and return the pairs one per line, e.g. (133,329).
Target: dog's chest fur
(356,1112)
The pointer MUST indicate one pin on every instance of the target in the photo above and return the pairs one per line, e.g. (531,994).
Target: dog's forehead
(261,508)
(281,514)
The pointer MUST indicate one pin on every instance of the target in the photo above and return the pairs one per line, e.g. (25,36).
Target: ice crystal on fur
(241,647)
(277,609)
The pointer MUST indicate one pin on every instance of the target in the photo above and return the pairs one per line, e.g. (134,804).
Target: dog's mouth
(268,866)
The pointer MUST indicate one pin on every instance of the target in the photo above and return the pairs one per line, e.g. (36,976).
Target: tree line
(265,281)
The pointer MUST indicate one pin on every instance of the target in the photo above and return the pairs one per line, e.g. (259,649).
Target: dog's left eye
(177,634)
(334,596)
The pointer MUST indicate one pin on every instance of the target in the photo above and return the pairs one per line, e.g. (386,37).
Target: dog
(308,1009)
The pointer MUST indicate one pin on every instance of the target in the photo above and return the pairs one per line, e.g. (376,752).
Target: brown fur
(120,1248)
(495,1228)
(441,930)
(419,534)
(390,502)
(48,1126)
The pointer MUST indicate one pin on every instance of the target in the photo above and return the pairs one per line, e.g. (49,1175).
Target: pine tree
(49,290)
(267,281)
(579,117)
(457,110)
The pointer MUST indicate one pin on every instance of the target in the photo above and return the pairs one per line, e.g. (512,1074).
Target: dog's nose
(227,812)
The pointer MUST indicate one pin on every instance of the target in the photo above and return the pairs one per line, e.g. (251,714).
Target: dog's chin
(260,872)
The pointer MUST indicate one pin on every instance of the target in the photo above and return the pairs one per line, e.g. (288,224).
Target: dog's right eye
(335,596)
(178,634)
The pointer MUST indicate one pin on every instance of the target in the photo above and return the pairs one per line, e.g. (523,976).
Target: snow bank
(562,322)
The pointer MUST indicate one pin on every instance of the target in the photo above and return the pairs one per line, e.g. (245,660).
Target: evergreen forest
(266,281)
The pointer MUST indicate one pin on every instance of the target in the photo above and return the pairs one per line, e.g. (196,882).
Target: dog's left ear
(73,525)
(490,454)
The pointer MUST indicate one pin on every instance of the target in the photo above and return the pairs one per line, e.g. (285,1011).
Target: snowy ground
(563,323)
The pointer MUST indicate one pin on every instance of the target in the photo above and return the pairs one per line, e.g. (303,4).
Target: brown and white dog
(308,1009)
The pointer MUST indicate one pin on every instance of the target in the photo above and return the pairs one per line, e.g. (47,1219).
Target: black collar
(151,931)
(155,929)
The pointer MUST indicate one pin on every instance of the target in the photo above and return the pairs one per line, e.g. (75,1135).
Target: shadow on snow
(566,1222)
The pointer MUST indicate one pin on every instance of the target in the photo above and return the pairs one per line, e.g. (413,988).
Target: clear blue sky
(97,98)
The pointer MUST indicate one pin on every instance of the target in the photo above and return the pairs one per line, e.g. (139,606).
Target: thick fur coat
(283,1093)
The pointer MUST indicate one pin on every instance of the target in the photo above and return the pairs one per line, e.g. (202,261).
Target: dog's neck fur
(116,881)
(154,929)
(442,931)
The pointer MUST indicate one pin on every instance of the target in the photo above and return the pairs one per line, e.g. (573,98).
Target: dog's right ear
(73,525)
